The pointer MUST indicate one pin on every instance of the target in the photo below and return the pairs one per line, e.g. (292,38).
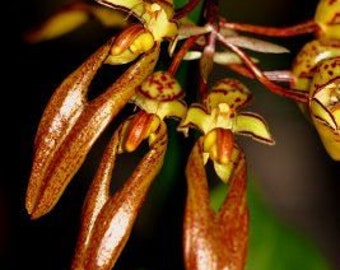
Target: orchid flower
(219,240)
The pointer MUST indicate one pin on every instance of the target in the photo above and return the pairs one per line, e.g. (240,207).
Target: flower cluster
(72,123)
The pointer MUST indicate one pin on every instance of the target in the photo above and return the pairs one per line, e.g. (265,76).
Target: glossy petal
(60,115)
(116,219)
(95,117)
(253,125)
(214,241)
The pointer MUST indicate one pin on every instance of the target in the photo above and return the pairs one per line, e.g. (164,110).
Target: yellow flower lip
(219,143)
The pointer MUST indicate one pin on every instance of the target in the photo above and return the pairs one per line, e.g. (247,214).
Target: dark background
(297,178)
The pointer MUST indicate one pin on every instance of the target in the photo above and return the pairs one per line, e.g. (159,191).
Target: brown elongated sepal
(234,216)
(198,241)
(115,221)
(60,115)
(214,241)
(93,120)
(97,196)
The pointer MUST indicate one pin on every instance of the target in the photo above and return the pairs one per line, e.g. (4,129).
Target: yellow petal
(327,17)
(196,117)
(229,91)
(326,82)
(219,143)
(161,94)
(330,136)
(320,112)
(253,125)
(175,109)
(325,104)
(224,171)
(109,17)
(312,54)
(167,6)
(136,7)
(62,22)
(158,23)
(161,86)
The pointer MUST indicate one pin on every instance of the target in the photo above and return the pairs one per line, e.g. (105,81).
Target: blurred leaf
(274,245)
(195,14)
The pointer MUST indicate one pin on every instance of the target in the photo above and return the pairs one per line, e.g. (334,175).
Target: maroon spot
(163,77)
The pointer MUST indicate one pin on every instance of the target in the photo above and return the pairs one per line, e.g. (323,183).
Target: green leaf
(195,14)
(273,244)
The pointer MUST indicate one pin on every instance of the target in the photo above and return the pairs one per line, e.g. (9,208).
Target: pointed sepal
(97,114)
(253,125)
(59,117)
